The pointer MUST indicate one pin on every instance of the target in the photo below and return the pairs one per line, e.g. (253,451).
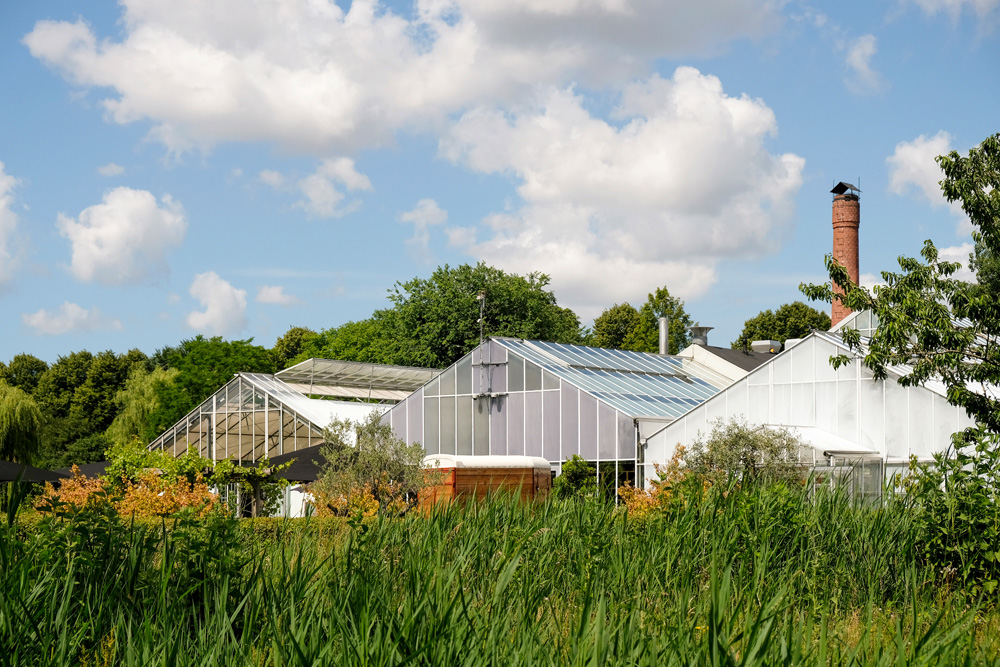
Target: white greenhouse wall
(504,405)
(799,387)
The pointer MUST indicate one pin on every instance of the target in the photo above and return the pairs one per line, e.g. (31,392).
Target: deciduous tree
(792,320)
(20,425)
(204,365)
(24,371)
(625,328)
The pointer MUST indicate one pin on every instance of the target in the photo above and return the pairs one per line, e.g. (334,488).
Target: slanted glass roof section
(355,379)
(253,416)
(635,383)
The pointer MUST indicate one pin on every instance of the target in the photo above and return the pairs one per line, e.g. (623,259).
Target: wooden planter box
(475,477)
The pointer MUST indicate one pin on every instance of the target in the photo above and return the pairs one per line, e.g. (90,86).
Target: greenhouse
(256,415)
(512,397)
(845,416)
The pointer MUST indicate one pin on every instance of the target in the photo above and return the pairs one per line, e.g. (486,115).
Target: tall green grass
(761,576)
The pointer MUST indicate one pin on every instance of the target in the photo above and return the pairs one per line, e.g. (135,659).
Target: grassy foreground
(758,577)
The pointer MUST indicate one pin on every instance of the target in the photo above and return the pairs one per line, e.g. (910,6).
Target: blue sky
(232,168)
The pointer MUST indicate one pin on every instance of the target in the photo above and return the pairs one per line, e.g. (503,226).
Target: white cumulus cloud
(275,295)
(424,215)
(271,177)
(8,227)
(317,79)
(682,181)
(322,198)
(225,307)
(959,253)
(912,166)
(125,238)
(863,78)
(69,318)
(981,8)
(111,169)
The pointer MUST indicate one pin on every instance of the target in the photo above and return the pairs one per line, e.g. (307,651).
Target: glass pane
(607,446)
(515,374)
(463,378)
(498,426)
(415,418)
(481,427)
(464,433)
(515,424)
(588,427)
(432,435)
(550,436)
(448,425)
(533,423)
(246,396)
(549,381)
(626,440)
(532,377)
(448,382)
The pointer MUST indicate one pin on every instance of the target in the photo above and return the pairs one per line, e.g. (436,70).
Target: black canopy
(306,467)
(88,469)
(10,472)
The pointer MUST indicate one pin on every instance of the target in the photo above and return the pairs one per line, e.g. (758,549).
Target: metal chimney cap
(842,187)
(699,335)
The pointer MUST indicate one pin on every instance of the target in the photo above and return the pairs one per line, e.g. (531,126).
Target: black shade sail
(11,472)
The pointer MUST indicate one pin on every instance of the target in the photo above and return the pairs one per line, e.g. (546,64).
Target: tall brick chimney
(846,220)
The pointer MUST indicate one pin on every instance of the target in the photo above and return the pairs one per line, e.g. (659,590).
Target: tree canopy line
(74,410)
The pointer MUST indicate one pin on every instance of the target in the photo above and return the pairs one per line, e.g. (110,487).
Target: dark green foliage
(77,398)
(578,479)
(623,327)
(203,365)
(295,341)
(433,322)
(57,385)
(735,450)
(646,337)
(614,326)
(24,371)
(941,327)
(365,454)
(957,503)
(792,320)
(20,425)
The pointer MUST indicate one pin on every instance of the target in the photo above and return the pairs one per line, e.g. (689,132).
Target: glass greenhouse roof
(635,383)
(355,379)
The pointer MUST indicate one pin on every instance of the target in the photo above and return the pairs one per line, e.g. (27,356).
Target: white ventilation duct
(664,335)
(768,346)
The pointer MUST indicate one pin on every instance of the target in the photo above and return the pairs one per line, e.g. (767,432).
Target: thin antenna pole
(481,297)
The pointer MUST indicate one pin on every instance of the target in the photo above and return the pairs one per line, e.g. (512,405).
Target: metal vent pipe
(664,335)
(699,335)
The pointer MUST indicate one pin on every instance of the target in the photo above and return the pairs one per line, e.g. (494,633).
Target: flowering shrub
(79,490)
(677,486)
(389,497)
(153,495)
(150,495)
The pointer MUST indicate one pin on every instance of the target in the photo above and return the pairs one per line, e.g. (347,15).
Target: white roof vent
(769,346)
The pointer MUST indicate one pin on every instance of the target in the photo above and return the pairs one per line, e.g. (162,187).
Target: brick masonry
(846,220)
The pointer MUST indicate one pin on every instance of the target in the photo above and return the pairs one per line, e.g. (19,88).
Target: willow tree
(20,425)
(137,402)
